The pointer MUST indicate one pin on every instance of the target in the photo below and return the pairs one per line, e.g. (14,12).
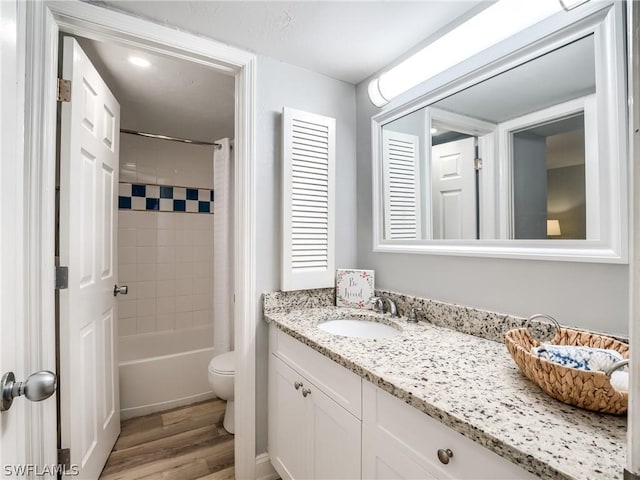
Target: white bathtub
(164,370)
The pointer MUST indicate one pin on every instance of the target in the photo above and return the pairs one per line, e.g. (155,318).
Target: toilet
(222,370)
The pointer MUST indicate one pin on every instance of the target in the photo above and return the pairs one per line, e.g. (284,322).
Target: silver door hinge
(64,90)
(64,457)
(62,277)
(478,164)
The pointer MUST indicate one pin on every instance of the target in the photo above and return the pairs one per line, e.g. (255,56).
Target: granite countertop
(472,385)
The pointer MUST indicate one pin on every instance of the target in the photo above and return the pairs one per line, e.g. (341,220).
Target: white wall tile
(183,320)
(201,285)
(167,254)
(127,255)
(201,270)
(126,308)
(166,271)
(166,305)
(202,317)
(147,289)
(184,255)
(146,272)
(184,270)
(127,326)
(184,286)
(145,307)
(201,302)
(184,303)
(146,237)
(166,288)
(146,254)
(146,219)
(138,203)
(166,220)
(127,237)
(166,237)
(165,321)
(127,273)
(146,324)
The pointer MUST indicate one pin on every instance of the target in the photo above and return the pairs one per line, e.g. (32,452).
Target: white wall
(593,296)
(279,85)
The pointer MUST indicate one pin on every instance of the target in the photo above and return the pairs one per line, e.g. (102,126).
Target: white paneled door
(454,191)
(89,409)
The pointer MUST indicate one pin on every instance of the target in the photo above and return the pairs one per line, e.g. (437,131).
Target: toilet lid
(223,363)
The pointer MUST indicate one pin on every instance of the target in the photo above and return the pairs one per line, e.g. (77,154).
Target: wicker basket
(585,389)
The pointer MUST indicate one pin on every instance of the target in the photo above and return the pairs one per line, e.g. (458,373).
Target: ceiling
(346,40)
(171,97)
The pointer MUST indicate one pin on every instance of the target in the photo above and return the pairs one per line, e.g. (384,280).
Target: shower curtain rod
(165,137)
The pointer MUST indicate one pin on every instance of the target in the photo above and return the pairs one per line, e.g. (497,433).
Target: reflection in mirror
(506,158)
(549,180)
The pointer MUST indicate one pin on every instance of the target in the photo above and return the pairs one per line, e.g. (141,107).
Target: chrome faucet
(393,309)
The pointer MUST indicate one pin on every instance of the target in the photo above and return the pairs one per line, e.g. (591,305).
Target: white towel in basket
(583,358)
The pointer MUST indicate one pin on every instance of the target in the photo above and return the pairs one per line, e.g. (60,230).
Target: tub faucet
(393,309)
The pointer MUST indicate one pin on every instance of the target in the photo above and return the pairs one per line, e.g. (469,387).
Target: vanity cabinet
(325,422)
(399,441)
(312,433)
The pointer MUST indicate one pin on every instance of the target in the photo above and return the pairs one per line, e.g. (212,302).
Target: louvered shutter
(401,186)
(308,194)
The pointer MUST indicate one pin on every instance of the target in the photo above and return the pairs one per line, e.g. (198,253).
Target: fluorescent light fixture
(491,26)
(140,62)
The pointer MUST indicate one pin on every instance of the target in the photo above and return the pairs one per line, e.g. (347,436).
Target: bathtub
(164,370)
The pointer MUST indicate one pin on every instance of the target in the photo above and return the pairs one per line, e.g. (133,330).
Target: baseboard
(264,469)
(133,412)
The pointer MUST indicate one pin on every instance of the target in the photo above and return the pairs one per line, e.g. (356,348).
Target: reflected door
(454,190)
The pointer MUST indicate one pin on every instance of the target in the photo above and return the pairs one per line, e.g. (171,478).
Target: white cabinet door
(89,395)
(334,438)
(287,424)
(310,435)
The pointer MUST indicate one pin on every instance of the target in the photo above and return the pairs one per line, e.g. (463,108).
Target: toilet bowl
(222,370)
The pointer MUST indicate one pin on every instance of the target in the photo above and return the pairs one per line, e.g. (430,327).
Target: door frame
(39,47)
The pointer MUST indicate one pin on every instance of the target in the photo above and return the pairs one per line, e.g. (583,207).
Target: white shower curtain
(223,248)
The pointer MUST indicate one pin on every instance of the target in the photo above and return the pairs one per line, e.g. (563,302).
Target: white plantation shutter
(400,172)
(308,200)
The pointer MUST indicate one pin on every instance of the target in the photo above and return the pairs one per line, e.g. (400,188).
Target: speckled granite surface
(472,385)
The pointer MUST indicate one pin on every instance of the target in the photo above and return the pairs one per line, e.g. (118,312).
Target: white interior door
(13,422)
(454,190)
(89,396)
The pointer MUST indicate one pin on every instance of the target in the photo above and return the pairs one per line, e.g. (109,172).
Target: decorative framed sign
(354,288)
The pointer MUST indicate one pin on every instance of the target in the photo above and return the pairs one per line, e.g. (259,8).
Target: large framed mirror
(527,160)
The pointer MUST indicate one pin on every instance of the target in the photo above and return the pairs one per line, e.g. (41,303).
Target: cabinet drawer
(399,441)
(337,382)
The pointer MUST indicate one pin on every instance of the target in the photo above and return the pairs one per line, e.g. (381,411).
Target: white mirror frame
(603,19)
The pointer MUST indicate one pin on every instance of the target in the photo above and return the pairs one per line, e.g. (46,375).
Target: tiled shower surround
(166,260)
(165,232)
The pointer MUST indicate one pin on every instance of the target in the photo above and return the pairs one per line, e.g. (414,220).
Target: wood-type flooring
(186,443)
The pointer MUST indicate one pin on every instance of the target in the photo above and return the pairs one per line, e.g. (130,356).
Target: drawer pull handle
(297,385)
(305,392)
(444,455)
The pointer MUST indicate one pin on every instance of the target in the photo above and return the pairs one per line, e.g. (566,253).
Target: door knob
(122,290)
(39,386)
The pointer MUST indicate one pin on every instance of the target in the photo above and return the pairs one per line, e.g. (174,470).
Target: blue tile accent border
(136,196)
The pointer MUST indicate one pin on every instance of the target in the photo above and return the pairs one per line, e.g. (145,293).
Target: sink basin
(349,327)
